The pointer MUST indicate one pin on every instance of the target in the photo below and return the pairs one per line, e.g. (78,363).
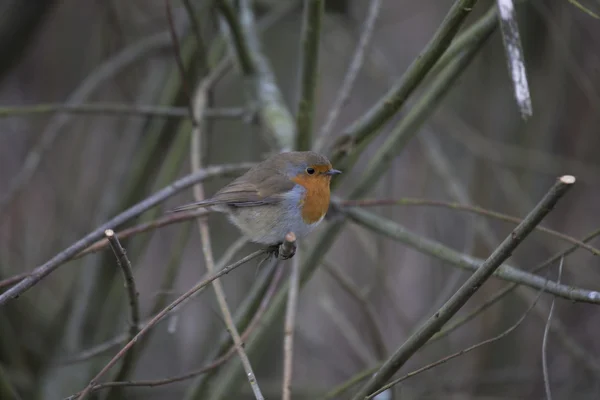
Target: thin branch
(467,208)
(514,55)
(343,387)
(459,353)
(287,249)
(290,321)
(61,258)
(158,317)
(158,305)
(199,103)
(461,260)
(466,291)
(351,73)
(179,59)
(409,126)
(545,340)
(363,130)
(354,291)
(308,72)
(165,220)
(124,234)
(268,296)
(118,109)
(273,112)
(104,72)
(132,294)
(240,43)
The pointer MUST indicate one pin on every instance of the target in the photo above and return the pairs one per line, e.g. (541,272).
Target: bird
(288,192)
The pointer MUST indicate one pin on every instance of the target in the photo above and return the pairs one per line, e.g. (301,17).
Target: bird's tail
(192,206)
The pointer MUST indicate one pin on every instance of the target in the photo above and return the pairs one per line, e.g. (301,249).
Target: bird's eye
(310,171)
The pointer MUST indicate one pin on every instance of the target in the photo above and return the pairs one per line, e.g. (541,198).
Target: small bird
(288,192)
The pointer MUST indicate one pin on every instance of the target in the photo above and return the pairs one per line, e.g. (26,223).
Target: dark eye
(310,171)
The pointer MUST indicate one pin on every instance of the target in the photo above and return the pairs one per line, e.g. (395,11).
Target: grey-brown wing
(268,189)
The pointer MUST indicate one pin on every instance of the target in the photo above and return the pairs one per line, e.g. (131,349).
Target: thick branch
(458,300)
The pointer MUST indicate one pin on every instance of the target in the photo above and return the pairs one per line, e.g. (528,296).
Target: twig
(121,339)
(351,74)
(467,208)
(459,353)
(273,112)
(165,220)
(105,71)
(473,283)
(341,388)
(119,109)
(287,249)
(132,294)
(514,55)
(158,317)
(124,234)
(545,339)
(290,321)
(363,130)
(42,271)
(199,103)
(353,290)
(179,60)
(308,72)
(408,127)
(216,362)
(460,260)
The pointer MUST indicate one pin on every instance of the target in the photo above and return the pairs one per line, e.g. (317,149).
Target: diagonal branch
(473,283)
(158,317)
(351,74)
(468,208)
(132,294)
(308,72)
(460,260)
(67,254)
(364,130)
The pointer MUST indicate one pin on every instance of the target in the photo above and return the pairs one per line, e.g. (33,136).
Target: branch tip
(567,179)
(287,249)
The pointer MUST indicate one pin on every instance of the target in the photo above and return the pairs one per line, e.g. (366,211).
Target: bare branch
(105,71)
(132,295)
(351,74)
(158,317)
(55,262)
(363,130)
(460,353)
(467,208)
(457,301)
(118,109)
(308,72)
(464,261)
(290,321)
(545,340)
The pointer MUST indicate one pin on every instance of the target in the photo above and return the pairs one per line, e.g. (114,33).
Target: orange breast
(316,199)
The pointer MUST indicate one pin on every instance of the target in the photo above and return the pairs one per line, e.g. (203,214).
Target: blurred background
(63,173)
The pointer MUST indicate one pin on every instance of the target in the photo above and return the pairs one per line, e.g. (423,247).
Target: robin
(288,192)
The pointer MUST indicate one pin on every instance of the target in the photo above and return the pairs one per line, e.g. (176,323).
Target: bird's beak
(333,172)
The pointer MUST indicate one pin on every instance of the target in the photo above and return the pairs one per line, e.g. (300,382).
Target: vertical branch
(290,320)
(351,74)
(365,128)
(132,295)
(273,112)
(545,339)
(458,300)
(308,72)
(197,108)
